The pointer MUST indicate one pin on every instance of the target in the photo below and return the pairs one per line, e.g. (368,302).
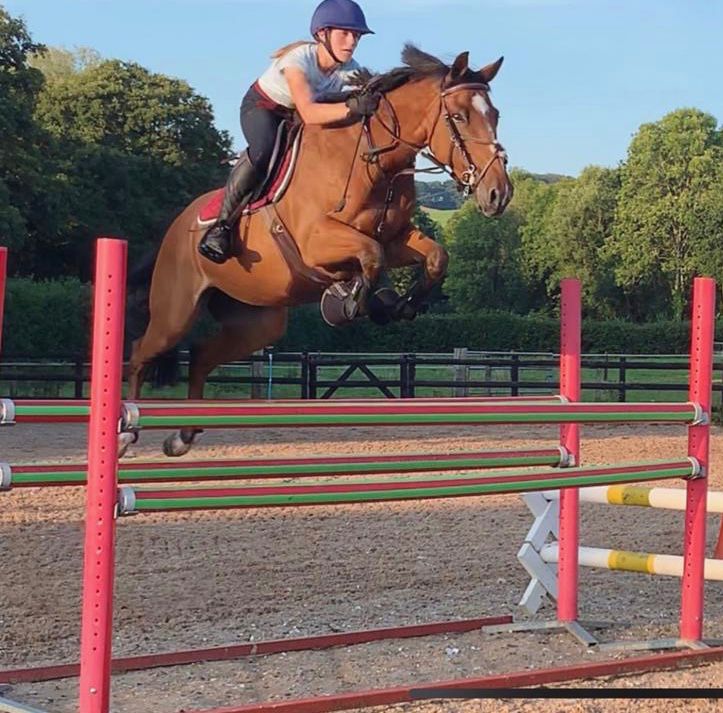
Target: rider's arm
(312,112)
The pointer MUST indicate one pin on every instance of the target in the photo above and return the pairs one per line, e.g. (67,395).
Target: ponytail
(287,48)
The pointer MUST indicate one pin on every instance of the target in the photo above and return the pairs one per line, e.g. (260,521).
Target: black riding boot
(216,243)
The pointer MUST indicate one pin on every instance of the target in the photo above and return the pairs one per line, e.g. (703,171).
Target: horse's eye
(459,117)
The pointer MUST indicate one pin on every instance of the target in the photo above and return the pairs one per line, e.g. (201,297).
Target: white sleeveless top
(274,84)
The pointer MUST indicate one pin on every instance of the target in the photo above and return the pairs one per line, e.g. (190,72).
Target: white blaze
(482,105)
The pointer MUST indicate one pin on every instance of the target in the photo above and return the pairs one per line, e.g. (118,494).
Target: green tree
(669,216)
(579,222)
(532,204)
(484,266)
(21,162)
(129,150)
(58,63)
(122,106)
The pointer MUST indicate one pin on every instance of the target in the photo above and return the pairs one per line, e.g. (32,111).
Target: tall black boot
(216,243)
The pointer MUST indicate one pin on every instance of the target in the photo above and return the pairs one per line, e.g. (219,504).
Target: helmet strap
(327,44)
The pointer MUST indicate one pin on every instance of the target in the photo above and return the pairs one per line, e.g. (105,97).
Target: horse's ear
(490,71)
(458,68)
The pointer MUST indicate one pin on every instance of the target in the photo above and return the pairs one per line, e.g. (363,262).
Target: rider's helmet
(339,14)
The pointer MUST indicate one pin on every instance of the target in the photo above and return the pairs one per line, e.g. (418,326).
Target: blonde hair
(287,48)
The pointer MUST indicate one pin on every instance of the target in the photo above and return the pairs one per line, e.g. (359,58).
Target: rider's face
(343,43)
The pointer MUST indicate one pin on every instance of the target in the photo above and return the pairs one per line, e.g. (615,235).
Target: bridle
(472,175)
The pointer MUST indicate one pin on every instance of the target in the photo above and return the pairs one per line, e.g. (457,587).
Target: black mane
(417,65)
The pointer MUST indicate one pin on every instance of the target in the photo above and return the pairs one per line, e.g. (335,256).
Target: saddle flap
(274,185)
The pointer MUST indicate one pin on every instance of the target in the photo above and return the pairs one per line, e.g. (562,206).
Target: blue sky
(579,77)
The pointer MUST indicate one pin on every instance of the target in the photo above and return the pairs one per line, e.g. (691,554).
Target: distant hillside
(443,195)
(548,177)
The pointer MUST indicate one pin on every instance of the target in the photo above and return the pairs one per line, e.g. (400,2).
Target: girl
(300,75)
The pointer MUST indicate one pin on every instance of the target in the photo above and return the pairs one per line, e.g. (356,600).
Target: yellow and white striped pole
(670,565)
(641,496)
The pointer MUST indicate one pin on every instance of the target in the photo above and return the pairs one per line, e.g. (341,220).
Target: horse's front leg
(337,247)
(415,248)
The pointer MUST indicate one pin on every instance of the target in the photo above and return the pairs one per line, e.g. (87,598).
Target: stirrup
(216,243)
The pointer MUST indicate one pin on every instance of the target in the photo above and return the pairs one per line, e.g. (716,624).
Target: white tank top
(273,82)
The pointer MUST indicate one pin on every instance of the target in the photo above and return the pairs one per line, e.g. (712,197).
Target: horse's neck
(412,105)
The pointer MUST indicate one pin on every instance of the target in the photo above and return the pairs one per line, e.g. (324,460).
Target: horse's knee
(372,260)
(436,264)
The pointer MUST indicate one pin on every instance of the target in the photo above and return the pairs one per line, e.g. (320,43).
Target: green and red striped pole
(701,371)
(133,500)
(570,388)
(69,474)
(98,567)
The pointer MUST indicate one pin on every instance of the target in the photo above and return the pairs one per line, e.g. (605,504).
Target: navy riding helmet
(339,14)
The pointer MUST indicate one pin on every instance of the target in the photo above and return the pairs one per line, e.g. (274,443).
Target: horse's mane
(417,65)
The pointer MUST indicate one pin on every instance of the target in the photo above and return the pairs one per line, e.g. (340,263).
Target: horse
(343,220)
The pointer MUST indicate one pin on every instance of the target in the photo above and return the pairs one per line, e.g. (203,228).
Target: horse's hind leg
(244,330)
(172,313)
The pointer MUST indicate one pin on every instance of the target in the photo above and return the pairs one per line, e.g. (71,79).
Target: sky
(579,76)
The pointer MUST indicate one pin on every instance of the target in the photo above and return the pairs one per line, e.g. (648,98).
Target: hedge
(46,319)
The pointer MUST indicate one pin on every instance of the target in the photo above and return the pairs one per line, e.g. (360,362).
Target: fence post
(621,381)
(304,375)
(403,376)
(412,376)
(313,375)
(78,377)
(461,372)
(515,375)
(257,372)
(3,279)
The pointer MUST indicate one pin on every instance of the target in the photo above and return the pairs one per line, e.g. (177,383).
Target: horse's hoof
(176,445)
(125,440)
(381,305)
(405,310)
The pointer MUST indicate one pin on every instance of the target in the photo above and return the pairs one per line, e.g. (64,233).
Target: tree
(532,203)
(579,222)
(58,63)
(669,215)
(122,106)
(21,160)
(484,266)
(129,150)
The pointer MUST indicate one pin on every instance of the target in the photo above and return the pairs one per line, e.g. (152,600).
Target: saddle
(278,175)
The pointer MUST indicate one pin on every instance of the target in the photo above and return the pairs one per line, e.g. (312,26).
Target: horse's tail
(164,370)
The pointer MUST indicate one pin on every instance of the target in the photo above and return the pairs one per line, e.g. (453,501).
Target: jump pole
(700,391)
(570,380)
(98,569)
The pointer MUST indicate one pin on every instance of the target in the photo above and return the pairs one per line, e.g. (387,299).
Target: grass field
(537,375)
(439,216)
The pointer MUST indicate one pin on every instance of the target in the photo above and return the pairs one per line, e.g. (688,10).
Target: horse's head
(464,135)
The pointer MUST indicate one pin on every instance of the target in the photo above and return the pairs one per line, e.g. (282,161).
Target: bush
(52,319)
(46,319)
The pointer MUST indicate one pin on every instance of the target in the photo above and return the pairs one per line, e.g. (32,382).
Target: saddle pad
(212,207)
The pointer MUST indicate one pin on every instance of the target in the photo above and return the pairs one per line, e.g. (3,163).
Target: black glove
(363,104)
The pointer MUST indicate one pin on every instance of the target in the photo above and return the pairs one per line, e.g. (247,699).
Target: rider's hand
(362,104)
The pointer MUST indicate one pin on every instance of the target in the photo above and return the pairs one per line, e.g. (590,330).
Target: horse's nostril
(493,196)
